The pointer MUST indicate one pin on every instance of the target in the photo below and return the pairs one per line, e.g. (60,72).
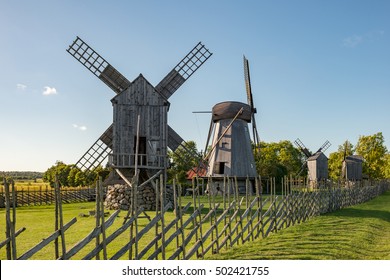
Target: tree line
(68,175)
(283,159)
(276,159)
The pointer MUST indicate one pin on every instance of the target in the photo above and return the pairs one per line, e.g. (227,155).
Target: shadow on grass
(362,213)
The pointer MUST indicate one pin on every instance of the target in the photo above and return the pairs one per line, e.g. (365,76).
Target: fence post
(59,218)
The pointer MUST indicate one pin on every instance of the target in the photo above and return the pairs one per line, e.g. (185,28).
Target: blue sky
(320,70)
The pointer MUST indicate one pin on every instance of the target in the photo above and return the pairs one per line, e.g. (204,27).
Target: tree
(335,161)
(387,167)
(61,170)
(278,160)
(182,160)
(373,150)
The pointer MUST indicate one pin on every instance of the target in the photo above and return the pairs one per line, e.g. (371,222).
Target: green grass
(358,232)
(39,222)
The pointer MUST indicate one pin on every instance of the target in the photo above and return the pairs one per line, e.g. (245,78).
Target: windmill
(140,135)
(316,163)
(231,152)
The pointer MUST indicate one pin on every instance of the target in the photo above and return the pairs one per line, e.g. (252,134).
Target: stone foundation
(119,197)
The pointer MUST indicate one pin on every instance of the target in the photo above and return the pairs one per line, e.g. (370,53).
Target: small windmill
(140,135)
(231,152)
(316,163)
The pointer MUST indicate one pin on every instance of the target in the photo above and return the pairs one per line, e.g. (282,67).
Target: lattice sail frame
(97,153)
(183,70)
(98,66)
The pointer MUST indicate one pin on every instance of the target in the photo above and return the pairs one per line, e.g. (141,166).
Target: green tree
(335,161)
(278,159)
(387,167)
(373,150)
(182,160)
(61,170)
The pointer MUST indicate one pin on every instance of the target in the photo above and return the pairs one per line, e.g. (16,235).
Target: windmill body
(140,100)
(232,154)
(231,151)
(317,166)
(352,168)
(317,163)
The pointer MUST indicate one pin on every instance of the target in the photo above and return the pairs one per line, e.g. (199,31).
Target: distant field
(29,184)
(360,232)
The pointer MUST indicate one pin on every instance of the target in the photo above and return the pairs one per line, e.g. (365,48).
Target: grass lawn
(360,232)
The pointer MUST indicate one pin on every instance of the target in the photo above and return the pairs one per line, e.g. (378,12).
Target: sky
(320,70)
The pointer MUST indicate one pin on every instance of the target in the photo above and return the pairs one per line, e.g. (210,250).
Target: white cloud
(80,127)
(49,91)
(21,86)
(355,40)
(352,41)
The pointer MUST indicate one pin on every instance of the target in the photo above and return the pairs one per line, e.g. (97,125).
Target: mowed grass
(39,222)
(360,232)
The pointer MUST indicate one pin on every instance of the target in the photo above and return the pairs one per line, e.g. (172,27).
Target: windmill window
(219,168)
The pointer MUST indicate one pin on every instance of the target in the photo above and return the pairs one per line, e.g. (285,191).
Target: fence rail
(46,196)
(203,224)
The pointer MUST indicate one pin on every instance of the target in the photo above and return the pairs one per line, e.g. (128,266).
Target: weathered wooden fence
(198,225)
(46,195)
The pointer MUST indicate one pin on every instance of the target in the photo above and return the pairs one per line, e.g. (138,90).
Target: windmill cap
(229,109)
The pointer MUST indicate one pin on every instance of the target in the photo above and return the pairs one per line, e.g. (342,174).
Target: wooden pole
(102,224)
(97,218)
(61,218)
(8,219)
(162,202)
(181,224)
(56,222)
(13,237)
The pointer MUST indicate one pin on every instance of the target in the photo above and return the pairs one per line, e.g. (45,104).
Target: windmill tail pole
(224,132)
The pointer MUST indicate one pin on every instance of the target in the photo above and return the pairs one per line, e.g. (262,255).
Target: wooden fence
(46,195)
(194,226)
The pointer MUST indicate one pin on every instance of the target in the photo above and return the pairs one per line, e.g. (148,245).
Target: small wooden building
(317,166)
(140,100)
(352,168)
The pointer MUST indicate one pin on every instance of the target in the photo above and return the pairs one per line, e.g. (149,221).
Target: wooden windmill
(231,152)
(140,135)
(317,163)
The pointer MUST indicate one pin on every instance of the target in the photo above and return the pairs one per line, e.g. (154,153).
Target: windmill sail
(98,66)
(183,70)
(248,87)
(97,153)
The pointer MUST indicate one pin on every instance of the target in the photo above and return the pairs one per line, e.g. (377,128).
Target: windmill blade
(302,148)
(302,168)
(256,138)
(82,52)
(175,141)
(248,84)
(183,70)
(211,129)
(248,87)
(324,146)
(97,153)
